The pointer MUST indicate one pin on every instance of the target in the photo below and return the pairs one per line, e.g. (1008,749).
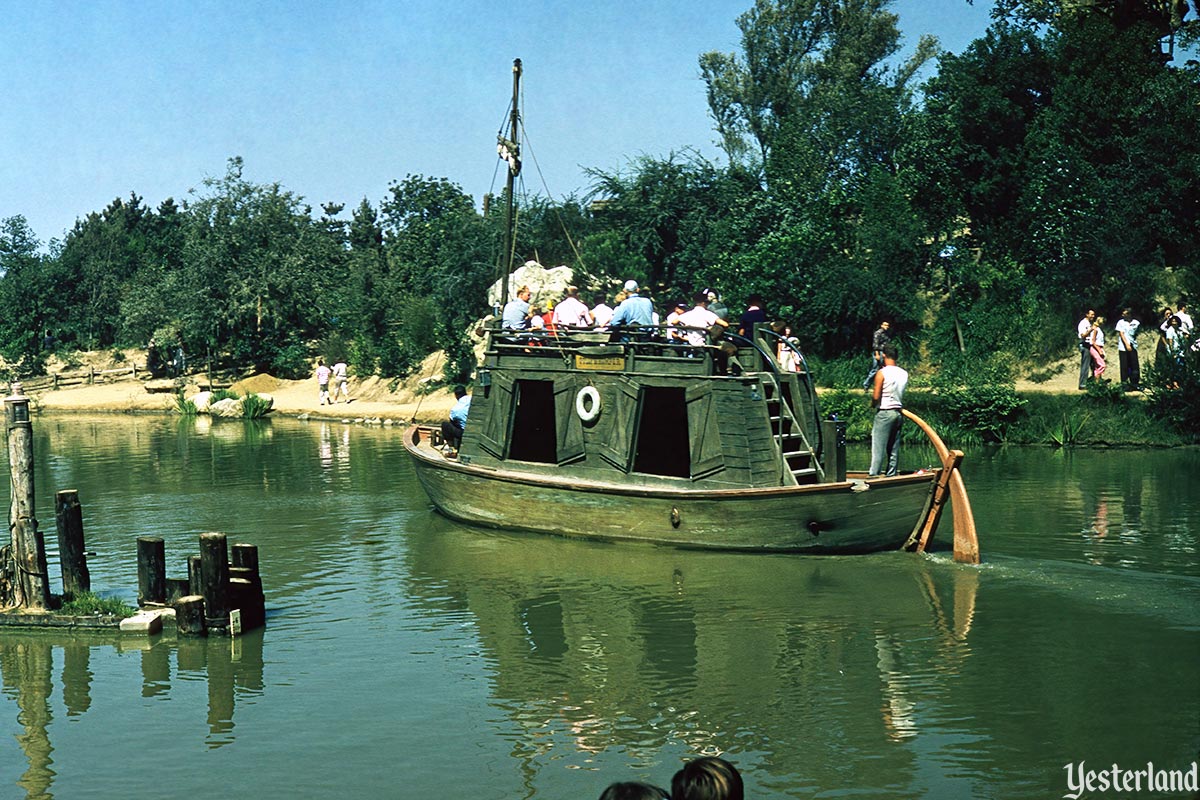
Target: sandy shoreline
(370,399)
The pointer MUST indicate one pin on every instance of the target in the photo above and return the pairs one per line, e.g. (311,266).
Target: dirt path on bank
(370,399)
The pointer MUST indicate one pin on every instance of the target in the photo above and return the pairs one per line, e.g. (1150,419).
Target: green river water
(408,656)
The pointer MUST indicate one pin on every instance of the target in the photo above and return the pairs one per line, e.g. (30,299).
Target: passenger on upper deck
(754,314)
(602,312)
(571,311)
(516,313)
(634,310)
(699,317)
(677,310)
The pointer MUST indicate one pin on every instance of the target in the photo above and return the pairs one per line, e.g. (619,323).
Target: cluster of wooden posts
(222,592)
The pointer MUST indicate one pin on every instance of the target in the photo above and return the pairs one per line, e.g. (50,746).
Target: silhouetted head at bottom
(634,790)
(707,778)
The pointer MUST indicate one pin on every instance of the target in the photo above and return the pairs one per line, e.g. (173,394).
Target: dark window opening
(663,446)
(533,431)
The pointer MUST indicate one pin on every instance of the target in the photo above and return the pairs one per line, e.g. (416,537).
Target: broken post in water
(72,555)
(152,571)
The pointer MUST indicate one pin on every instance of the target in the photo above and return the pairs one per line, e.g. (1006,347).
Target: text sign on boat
(599,362)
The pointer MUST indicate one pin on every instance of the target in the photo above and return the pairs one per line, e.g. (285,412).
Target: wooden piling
(190,619)
(244,558)
(250,600)
(833,453)
(152,571)
(177,588)
(32,588)
(72,555)
(214,578)
(194,583)
(242,597)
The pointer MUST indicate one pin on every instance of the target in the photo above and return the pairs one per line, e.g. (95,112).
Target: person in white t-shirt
(1127,352)
(702,319)
(601,312)
(571,312)
(888,395)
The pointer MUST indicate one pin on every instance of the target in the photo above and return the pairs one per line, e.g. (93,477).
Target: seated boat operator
(453,428)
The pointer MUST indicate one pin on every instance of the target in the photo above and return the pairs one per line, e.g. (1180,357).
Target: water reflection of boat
(650,649)
(670,435)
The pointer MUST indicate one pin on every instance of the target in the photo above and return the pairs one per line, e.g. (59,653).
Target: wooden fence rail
(87,376)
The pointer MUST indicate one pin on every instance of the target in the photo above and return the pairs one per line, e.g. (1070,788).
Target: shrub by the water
(979,398)
(1173,386)
(852,408)
(254,407)
(184,406)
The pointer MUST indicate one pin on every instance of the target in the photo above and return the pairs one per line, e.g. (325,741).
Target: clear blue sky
(336,100)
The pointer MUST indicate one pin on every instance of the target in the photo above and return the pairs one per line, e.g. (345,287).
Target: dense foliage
(1051,166)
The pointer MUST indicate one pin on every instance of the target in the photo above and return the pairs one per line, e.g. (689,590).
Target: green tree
(813,72)
(25,292)
(258,274)
(439,264)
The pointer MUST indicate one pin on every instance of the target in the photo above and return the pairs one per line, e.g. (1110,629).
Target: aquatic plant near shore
(255,407)
(1068,432)
(184,406)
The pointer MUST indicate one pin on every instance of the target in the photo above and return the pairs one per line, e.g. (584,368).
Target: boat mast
(510,151)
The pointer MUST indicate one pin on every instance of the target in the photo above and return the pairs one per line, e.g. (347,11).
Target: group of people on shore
(1175,337)
(706,778)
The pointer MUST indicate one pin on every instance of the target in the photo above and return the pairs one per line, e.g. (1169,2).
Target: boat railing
(656,341)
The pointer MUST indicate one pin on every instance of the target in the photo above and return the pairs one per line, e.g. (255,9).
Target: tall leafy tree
(26,292)
(100,257)
(814,101)
(438,251)
(258,278)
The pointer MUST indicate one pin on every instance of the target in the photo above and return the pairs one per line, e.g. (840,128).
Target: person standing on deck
(634,309)
(888,396)
(516,314)
(571,312)
(753,315)
(1083,332)
(323,373)
(880,338)
(340,380)
(602,312)
(1127,353)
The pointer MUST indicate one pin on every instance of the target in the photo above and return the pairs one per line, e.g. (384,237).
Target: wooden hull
(823,518)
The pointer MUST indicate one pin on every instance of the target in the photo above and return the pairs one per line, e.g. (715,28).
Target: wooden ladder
(795,452)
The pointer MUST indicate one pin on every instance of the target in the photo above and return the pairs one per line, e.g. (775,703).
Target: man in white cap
(634,309)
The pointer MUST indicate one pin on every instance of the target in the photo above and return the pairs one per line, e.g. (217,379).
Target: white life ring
(587,403)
